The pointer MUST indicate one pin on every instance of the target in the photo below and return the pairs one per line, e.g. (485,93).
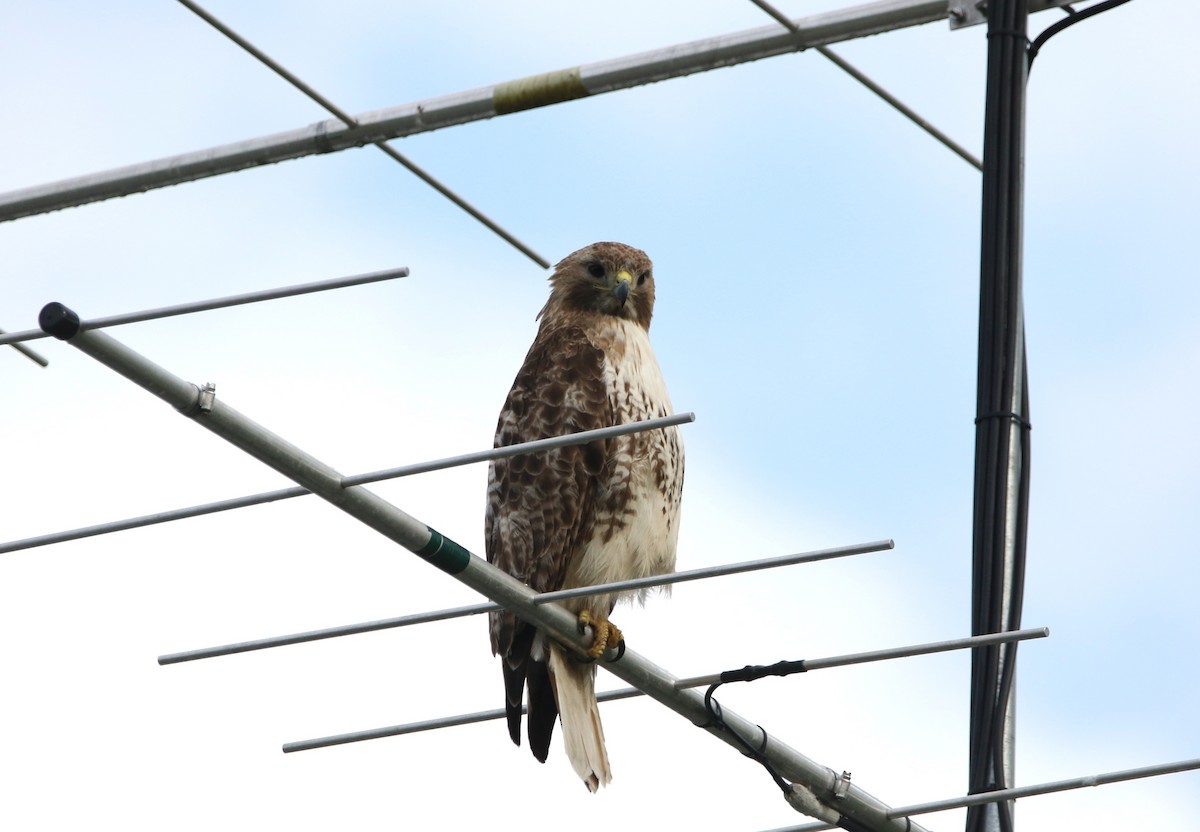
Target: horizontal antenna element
(502,452)
(217,303)
(680,684)
(1019,791)
(542,598)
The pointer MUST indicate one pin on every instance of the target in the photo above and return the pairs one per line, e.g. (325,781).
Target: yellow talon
(605,634)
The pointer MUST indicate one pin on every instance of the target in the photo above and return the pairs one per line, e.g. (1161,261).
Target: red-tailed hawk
(586,514)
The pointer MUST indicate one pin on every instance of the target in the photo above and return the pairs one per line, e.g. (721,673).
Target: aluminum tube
(328,632)
(32,355)
(543,598)
(866,81)
(1018,792)
(430,724)
(217,303)
(317,477)
(481,103)
(1048,788)
(358,479)
(152,519)
(349,121)
(534,446)
(472,570)
(680,684)
(474,105)
(715,571)
(1022,791)
(909,113)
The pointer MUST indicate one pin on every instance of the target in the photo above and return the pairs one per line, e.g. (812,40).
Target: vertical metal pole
(1002,419)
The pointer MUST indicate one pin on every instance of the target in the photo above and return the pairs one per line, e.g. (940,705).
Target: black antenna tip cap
(59,321)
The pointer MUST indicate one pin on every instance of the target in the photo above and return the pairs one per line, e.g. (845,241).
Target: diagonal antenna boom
(814,789)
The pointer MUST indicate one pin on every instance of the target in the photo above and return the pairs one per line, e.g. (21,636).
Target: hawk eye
(642,277)
(595,270)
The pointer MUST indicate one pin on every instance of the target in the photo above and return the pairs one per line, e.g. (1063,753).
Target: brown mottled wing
(538,503)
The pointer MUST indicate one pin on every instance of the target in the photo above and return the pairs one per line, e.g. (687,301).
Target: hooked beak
(624,286)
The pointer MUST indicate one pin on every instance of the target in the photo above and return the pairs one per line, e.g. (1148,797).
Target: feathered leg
(574,686)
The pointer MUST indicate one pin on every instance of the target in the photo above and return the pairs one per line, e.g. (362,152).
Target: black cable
(714,711)
(995,575)
(1073,18)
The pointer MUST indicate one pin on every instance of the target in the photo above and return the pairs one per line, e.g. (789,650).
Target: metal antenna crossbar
(32,355)
(863,79)
(815,789)
(482,103)
(543,598)
(350,121)
(533,446)
(680,684)
(218,303)
(1020,791)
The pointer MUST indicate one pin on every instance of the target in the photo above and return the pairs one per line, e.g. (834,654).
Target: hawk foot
(605,635)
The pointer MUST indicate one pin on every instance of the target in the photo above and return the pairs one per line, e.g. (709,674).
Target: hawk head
(604,278)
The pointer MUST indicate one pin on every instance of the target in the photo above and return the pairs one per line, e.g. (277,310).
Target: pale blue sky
(817,262)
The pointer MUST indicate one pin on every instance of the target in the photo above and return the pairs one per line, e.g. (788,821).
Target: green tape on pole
(444,553)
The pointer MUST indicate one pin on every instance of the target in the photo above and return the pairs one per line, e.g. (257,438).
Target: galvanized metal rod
(809,778)
(431,724)
(543,598)
(328,632)
(1047,788)
(901,652)
(866,81)
(1021,791)
(900,106)
(31,354)
(152,519)
(533,446)
(219,303)
(350,121)
(268,61)
(680,684)
(530,447)
(714,571)
(482,103)
(477,104)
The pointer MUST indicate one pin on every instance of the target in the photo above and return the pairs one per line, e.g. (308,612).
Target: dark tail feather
(514,684)
(515,665)
(543,710)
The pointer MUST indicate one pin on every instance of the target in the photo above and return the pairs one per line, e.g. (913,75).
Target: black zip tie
(1005,414)
(1009,33)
